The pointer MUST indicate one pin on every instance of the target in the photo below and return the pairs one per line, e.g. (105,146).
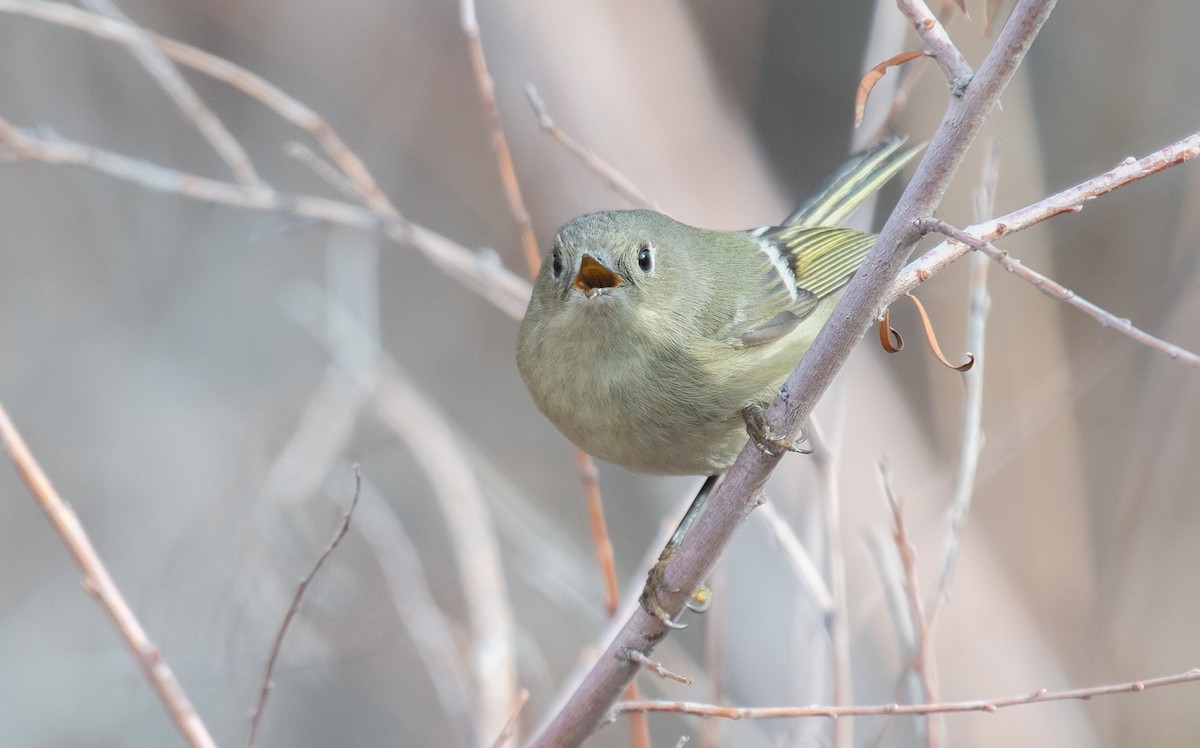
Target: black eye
(556,264)
(645,258)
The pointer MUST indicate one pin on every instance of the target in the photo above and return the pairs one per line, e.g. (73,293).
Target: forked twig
(1056,290)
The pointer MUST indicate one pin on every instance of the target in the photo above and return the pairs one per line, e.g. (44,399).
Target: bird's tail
(858,179)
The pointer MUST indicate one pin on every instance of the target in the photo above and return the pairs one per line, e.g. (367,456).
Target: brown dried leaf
(932,338)
(887,334)
(872,77)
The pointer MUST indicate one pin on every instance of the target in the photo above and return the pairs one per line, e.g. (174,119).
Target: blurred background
(198,381)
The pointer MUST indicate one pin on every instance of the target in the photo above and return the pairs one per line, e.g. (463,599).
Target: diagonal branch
(1056,290)
(100,585)
(189,103)
(738,493)
(1070,200)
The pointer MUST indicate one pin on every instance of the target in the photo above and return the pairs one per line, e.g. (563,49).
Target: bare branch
(481,272)
(100,586)
(181,92)
(954,66)
(987,706)
(838,619)
(657,668)
(265,690)
(614,178)
(922,659)
(970,441)
(1070,200)
(508,173)
(1056,290)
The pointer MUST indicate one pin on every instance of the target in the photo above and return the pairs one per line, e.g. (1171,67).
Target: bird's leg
(655,580)
(767,441)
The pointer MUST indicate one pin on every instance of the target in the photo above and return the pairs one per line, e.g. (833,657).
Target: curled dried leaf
(932,338)
(889,337)
(872,77)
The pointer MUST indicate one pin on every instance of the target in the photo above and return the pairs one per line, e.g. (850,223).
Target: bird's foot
(766,440)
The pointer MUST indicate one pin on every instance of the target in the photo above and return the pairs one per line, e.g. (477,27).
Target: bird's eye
(645,258)
(556,264)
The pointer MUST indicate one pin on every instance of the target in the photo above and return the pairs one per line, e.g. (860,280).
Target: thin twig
(922,656)
(987,706)
(941,48)
(657,668)
(267,684)
(714,658)
(101,587)
(970,439)
(488,278)
(1070,200)
(238,77)
(181,92)
(508,173)
(481,272)
(601,541)
(614,178)
(1056,290)
(838,621)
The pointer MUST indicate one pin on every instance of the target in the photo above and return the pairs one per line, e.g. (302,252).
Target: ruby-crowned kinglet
(645,338)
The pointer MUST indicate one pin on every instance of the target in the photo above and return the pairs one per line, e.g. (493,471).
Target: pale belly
(647,412)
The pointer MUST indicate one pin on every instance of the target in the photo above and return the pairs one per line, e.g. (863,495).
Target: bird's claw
(699,602)
(656,582)
(766,440)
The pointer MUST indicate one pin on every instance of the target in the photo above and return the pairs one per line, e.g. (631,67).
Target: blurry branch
(738,493)
(190,104)
(101,587)
(801,562)
(416,607)
(401,407)
(438,450)
(987,706)
(614,178)
(479,272)
(922,656)
(1056,290)
(970,440)
(838,619)
(1070,200)
(510,727)
(601,541)
(277,644)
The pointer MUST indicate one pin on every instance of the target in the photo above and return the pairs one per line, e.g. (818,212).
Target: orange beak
(593,276)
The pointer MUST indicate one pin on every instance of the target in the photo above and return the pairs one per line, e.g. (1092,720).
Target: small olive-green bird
(646,339)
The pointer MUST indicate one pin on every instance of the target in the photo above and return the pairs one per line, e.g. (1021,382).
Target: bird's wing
(799,267)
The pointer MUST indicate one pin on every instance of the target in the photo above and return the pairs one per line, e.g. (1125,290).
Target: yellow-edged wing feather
(819,257)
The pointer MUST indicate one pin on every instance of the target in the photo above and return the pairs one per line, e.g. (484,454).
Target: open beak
(593,277)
